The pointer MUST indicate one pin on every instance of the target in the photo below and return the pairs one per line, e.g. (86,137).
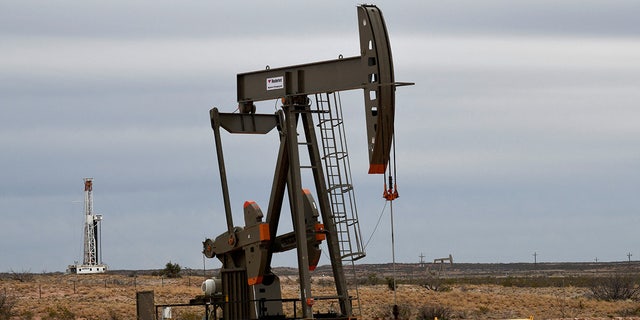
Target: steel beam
(297,210)
(304,79)
(371,71)
(215,125)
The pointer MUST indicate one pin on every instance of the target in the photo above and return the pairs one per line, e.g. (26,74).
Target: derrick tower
(92,258)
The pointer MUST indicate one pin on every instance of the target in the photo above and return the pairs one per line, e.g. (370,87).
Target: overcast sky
(521,135)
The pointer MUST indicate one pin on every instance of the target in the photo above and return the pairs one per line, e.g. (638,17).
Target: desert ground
(495,296)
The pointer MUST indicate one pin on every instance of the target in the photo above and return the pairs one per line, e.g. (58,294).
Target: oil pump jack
(247,288)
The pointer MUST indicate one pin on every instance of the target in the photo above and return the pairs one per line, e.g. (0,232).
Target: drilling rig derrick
(249,289)
(92,257)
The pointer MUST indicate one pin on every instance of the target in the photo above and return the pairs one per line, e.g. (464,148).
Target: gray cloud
(195,18)
(521,133)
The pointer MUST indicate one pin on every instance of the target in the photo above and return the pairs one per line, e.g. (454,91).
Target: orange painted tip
(254,280)
(248,203)
(314,262)
(310,301)
(306,191)
(265,235)
(376,168)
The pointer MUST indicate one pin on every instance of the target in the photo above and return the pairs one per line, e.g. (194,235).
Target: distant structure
(441,261)
(421,259)
(92,262)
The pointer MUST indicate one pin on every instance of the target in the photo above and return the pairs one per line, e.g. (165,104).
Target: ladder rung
(310,111)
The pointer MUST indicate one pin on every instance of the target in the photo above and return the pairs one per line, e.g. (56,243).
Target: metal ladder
(335,157)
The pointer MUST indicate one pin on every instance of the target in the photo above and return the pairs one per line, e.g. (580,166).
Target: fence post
(145,306)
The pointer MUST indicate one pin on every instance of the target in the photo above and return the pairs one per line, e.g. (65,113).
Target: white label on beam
(275,83)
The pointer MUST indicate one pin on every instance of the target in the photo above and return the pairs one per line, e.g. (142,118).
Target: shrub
(27,315)
(391,283)
(59,313)
(325,282)
(22,276)
(616,287)
(404,312)
(434,283)
(631,312)
(431,312)
(113,315)
(6,305)
(372,279)
(172,270)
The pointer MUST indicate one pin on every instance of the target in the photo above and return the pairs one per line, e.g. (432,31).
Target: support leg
(299,225)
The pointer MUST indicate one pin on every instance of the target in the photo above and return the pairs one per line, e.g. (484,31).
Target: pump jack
(249,289)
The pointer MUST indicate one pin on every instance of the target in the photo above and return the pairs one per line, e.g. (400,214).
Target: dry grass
(113,297)
(92,296)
